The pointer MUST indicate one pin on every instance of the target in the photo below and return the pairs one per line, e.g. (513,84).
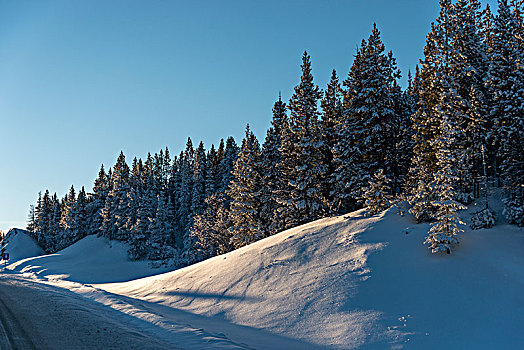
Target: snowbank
(19,245)
(90,260)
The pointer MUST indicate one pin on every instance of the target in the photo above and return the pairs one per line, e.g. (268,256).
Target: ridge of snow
(20,245)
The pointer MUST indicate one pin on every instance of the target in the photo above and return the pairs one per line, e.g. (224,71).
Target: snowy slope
(352,281)
(90,260)
(19,245)
(343,282)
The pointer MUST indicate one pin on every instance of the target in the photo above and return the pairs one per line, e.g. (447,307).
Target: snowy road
(12,334)
(38,316)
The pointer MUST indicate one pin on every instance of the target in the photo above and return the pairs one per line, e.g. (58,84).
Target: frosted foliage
(514,211)
(377,195)
(484,218)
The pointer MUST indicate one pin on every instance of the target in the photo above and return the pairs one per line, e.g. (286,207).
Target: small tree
(485,218)
(377,196)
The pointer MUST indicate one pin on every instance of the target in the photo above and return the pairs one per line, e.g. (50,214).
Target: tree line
(362,142)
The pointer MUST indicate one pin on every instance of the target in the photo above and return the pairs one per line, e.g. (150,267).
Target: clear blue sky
(82,80)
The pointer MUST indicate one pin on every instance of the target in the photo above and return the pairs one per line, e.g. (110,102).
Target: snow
(19,245)
(341,282)
(90,260)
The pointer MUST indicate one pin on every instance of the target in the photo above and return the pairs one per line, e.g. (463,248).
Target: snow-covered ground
(20,245)
(342,282)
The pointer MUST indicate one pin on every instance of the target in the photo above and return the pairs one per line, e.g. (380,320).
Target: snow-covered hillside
(90,260)
(342,282)
(19,245)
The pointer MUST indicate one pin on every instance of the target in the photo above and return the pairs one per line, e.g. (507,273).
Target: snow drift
(342,282)
(91,260)
(20,245)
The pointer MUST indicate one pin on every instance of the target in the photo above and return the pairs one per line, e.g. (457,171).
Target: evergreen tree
(100,191)
(199,181)
(245,193)
(212,171)
(366,131)
(54,229)
(377,196)
(303,165)
(116,211)
(185,198)
(425,122)
(68,220)
(210,233)
(271,157)
(442,235)
(227,164)
(506,80)
(331,119)
(161,231)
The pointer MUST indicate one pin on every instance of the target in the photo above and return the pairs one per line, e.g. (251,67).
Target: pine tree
(506,80)
(161,231)
(210,233)
(68,220)
(271,157)
(331,119)
(100,191)
(377,196)
(186,188)
(31,220)
(212,171)
(245,192)
(116,210)
(199,181)
(366,130)
(227,164)
(442,235)
(54,229)
(303,165)
(425,122)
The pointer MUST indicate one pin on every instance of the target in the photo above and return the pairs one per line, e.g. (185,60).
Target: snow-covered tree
(443,233)
(98,200)
(210,233)
(377,195)
(199,181)
(272,182)
(303,165)
(245,192)
(115,212)
(506,81)
(366,129)
(331,105)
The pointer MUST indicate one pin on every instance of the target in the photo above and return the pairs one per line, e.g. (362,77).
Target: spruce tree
(100,191)
(377,195)
(199,180)
(210,233)
(116,210)
(442,235)
(68,220)
(506,80)
(331,119)
(227,164)
(245,192)
(426,124)
(271,157)
(303,164)
(366,130)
